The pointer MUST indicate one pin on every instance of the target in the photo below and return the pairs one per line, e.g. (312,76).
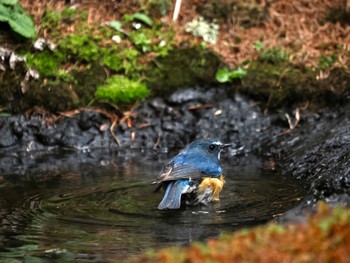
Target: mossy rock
(335,89)
(53,96)
(87,82)
(10,83)
(284,84)
(278,85)
(182,67)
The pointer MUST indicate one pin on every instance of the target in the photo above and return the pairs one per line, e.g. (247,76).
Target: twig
(156,143)
(198,107)
(177,9)
(112,132)
(290,123)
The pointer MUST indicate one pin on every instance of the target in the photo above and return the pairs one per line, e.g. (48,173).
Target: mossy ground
(324,238)
(286,65)
(86,60)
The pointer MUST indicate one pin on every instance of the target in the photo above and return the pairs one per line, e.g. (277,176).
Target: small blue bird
(194,174)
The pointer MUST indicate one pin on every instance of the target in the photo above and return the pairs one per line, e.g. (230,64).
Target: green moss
(326,61)
(157,40)
(83,48)
(50,19)
(55,96)
(130,63)
(112,59)
(121,60)
(69,14)
(273,55)
(46,63)
(142,39)
(182,67)
(278,85)
(119,89)
(87,82)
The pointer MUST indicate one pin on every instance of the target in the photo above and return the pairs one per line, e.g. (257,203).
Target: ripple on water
(112,215)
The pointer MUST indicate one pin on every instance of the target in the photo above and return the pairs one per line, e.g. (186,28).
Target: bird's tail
(173,193)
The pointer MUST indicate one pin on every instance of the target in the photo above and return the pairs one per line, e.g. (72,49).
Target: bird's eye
(211,147)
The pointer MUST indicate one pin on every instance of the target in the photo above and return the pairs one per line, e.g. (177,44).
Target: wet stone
(182,96)
(158,104)
(49,136)
(9,136)
(89,119)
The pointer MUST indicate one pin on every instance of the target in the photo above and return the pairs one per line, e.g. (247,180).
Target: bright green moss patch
(46,63)
(274,55)
(80,47)
(119,89)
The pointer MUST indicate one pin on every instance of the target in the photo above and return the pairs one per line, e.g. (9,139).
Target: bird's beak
(225,145)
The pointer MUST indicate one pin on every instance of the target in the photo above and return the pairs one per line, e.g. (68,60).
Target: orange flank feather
(215,184)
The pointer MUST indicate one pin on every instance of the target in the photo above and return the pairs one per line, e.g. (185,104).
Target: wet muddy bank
(316,152)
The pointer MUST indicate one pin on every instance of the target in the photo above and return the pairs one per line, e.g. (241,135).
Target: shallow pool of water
(97,209)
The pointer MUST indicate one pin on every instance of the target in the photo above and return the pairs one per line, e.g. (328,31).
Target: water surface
(96,209)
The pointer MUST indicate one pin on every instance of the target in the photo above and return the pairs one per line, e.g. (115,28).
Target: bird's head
(210,148)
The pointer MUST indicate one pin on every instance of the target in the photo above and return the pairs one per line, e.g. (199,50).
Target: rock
(10,134)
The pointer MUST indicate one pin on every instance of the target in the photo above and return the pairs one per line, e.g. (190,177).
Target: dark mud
(316,152)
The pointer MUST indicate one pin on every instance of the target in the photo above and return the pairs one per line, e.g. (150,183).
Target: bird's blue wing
(173,193)
(175,172)
(188,167)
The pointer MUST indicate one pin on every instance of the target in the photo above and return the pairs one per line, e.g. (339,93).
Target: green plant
(258,45)
(116,25)
(112,59)
(326,61)
(201,28)
(69,14)
(50,19)
(225,75)
(46,63)
(120,89)
(81,47)
(153,40)
(142,39)
(130,64)
(165,42)
(139,17)
(12,13)
(124,61)
(273,55)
